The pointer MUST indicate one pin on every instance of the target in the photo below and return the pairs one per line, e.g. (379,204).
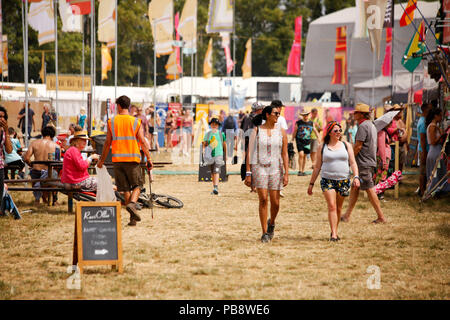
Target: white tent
(320,49)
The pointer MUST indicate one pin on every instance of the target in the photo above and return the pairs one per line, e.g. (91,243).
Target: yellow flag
(42,71)
(207,64)
(247,65)
(4,56)
(106,62)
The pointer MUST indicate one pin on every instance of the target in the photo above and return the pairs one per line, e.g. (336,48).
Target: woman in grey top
(333,161)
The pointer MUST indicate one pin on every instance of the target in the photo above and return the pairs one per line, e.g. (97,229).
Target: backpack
(229,124)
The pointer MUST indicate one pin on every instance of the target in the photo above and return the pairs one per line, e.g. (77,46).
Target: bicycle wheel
(167,201)
(83,197)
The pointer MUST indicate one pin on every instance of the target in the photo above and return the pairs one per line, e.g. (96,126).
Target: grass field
(210,249)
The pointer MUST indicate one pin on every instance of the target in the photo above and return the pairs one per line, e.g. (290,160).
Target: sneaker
(131,208)
(270,229)
(265,238)
(132,223)
(215,191)
(299,173)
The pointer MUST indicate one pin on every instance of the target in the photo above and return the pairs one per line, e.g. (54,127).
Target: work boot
(131,208)
(132,223)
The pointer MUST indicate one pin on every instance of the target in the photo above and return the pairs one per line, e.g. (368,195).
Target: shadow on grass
(443,230)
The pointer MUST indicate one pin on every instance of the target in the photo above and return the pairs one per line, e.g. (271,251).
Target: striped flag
(416,45)
(226,48)
(340,57)
(408,14)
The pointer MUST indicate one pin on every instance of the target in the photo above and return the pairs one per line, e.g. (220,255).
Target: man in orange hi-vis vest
(125,134)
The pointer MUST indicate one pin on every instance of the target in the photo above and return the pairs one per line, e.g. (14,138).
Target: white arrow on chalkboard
(103,251)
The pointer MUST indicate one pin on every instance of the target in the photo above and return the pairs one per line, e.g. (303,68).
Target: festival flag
(360,30)
(42,71)
(4,57)
(408,14)
(340,57)
(70,21)
(294,61)
(160,14)
(188,26)
(220,16)
(247,65)
(40,18)
(106,61)
(1,37)
(207,64)
(173,67)
(375,12)
(80,6)
(107,22)
(387,63)
(416,45)
(389,16)
(226,48)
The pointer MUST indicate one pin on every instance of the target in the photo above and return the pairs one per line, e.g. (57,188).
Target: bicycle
(162,200)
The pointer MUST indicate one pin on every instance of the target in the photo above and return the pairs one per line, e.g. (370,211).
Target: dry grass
(210,249)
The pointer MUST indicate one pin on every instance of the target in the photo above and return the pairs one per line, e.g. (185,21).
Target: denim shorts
(341,186)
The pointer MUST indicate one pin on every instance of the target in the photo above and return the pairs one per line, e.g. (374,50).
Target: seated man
(40,149)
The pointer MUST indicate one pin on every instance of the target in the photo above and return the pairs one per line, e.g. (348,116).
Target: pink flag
(387,63)
(294,61)
(177,20)
(226,48)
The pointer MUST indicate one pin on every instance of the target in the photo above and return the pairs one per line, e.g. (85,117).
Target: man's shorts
(304,146)
(366,178)
(128,175)
(340,186)
(218,163)
(314,145)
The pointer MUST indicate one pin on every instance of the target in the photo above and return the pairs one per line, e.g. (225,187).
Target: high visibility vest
(125,146)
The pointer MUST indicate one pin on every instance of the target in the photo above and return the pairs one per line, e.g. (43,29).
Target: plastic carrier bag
(105,191)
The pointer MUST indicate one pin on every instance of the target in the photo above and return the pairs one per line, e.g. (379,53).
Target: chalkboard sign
(98,239)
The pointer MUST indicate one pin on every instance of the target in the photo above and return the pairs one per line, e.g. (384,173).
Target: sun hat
(304,113)
(81,135)
(361,107)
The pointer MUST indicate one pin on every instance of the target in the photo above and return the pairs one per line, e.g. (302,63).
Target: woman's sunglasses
(337,130)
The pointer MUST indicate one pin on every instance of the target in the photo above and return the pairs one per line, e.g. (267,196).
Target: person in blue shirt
(81,119)
(14,158)
(422,146)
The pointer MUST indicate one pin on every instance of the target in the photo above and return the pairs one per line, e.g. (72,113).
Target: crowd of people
(348,160)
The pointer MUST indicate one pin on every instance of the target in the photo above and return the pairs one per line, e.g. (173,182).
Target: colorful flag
(107,22)
(416,45)
(40,18)
(173,67)
(387,63)
(220,17)
(80,6)
(247,65)
(226,48)
(389,16)
(188,26)
(207,64)
(375,11)
(408,13)
(340,57)
(294,61)
(42,71)
(70,21)
(160,14)
(106,61)
(4,57)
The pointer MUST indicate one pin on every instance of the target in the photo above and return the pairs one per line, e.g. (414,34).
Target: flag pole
(82,60)
(1,42)
(92,66)
(115,54)
(25,41)
(373,78)
(55,17)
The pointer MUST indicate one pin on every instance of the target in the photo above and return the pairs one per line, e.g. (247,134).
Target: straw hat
(304,113)
(362,107)
(81,135)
